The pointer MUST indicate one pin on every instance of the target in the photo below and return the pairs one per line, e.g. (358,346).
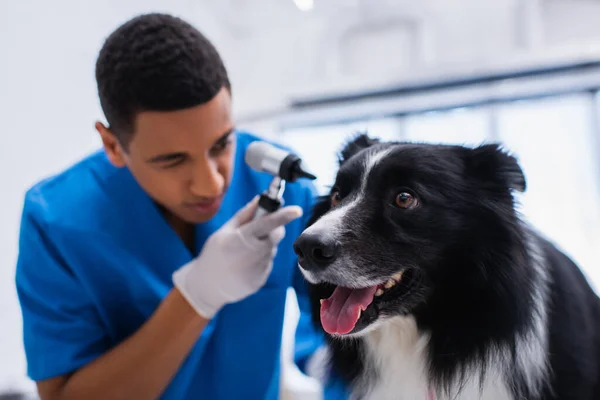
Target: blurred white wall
(48,106)
(273,51)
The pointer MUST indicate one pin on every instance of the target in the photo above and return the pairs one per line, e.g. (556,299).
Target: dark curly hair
(155,62)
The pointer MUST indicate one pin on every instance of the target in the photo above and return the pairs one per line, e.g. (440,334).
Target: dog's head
(378,246)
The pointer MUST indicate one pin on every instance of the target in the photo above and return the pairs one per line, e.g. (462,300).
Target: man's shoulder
(70,193)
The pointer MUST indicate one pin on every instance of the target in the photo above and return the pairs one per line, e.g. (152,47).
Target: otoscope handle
(266,205)
(272,198)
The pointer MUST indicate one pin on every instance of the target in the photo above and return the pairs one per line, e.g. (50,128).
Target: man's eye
(173,162)
(219,147)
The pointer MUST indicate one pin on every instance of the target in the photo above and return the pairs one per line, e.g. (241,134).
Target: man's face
(182,159)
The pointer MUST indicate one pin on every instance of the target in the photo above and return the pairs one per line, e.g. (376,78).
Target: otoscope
(283,165)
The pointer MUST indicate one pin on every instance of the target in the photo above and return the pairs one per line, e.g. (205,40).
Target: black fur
(155,62)
(473,279)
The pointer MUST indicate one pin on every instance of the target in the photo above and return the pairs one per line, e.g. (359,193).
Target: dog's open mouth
(341,312)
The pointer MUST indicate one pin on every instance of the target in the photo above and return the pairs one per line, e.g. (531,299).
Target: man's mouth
(343,309)
(206,205)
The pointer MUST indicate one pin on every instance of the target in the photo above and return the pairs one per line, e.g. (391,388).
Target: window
(318,147)
(469,126)
(555,139)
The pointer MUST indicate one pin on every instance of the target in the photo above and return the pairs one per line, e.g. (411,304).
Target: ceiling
(277,49)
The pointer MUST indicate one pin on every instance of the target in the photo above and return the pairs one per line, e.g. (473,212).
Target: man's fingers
(246,213)
(277,235)
(264,225)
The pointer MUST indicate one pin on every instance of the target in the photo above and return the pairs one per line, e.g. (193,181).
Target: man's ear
(112,147)
(354,145)
(493,166)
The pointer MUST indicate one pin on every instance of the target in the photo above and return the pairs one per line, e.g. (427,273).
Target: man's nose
(207,181)
(316,250)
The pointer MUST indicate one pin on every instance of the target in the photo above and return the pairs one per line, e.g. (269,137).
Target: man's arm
(142,366)
(65,337)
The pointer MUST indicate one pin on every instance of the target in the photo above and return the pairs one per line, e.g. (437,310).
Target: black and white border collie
(429,285)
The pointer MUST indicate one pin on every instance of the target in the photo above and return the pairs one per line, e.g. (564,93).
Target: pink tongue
(340,312)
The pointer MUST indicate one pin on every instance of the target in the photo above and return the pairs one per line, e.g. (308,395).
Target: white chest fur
(395,368)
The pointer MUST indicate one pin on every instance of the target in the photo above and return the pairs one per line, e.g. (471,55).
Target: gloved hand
(236,260)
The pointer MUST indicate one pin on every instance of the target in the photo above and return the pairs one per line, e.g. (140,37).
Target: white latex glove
(236,260)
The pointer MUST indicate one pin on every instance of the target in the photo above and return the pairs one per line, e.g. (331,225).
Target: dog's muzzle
(316,250)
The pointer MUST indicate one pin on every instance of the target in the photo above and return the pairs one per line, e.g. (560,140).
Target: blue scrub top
(96,258)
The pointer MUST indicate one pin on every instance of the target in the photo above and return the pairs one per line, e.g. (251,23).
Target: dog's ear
(354,145)
(491,164)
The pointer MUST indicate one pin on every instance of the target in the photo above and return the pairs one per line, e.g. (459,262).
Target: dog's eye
(335,198)
(406,200)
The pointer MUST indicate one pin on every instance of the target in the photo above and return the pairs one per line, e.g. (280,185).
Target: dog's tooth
(322,300)
(398,276)
(379,292)
(359,313)
(390,283)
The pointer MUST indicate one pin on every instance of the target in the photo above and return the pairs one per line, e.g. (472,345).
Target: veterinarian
(141,273)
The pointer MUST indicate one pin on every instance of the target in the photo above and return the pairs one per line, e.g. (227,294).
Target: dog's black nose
(315,251)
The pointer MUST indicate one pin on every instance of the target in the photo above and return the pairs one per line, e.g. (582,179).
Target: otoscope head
(264,157)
